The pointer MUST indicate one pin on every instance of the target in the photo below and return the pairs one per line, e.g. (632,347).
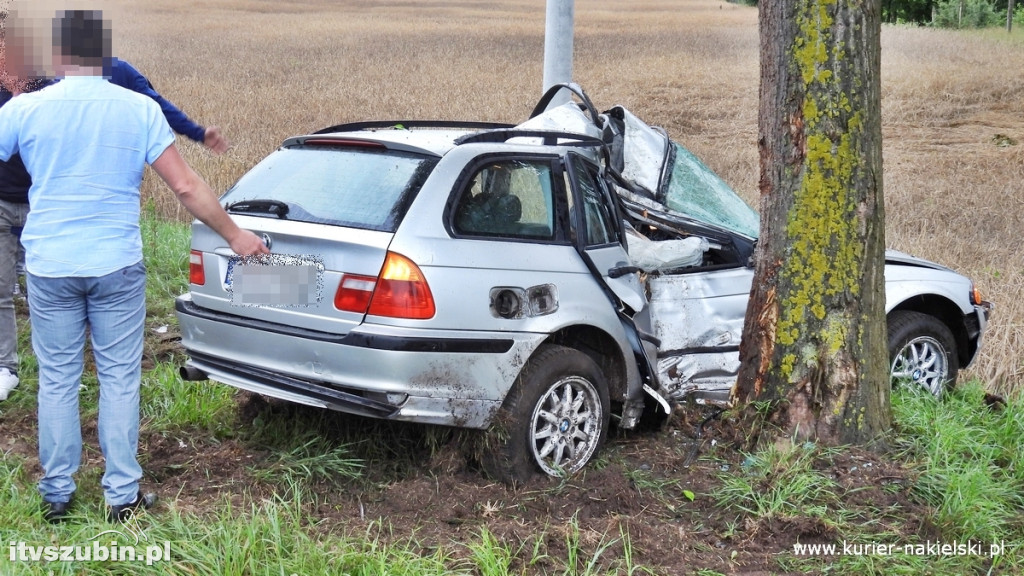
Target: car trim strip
(441,345)
(359,340)
(698,350)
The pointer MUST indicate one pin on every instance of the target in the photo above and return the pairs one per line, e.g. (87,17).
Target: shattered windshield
(698,192)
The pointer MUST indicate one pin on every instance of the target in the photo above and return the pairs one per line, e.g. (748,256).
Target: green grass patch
(308,461)
(170,403)
(780,482)
(165,253)
(969,459)
(967,467)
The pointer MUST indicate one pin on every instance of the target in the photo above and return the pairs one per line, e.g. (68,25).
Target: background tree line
(946,13)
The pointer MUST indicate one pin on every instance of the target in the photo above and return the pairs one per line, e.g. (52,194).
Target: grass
(780,482)
(271,536)
(970,462)
(173,404)
(166,260)
(967,465)
(312,461)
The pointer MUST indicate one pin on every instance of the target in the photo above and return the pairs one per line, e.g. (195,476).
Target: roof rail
(406,124)
(573,87)
(550,137)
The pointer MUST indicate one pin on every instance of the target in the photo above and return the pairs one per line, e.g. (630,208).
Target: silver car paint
(461,389)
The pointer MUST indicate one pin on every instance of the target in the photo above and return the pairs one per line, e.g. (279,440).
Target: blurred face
(27,40)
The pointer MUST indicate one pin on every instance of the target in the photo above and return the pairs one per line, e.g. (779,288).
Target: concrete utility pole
(558,36)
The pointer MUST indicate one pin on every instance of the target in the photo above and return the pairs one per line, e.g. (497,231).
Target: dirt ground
(427,491)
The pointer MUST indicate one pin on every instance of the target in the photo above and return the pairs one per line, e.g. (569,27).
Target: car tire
(922,352)
(554,419)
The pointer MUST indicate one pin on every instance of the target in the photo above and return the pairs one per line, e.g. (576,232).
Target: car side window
(508,199)
(600,222)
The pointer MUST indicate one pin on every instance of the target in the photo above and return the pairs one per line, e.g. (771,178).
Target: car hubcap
(922,362)
(566,426)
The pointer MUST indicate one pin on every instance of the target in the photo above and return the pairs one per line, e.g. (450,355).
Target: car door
(598,230)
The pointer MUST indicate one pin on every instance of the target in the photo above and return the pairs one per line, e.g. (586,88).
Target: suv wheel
(922,352)
(554,419)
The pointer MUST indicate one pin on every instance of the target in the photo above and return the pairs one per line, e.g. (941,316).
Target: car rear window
(351,186)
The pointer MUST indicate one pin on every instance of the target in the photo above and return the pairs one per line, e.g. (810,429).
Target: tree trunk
(814,343)
(1009,16)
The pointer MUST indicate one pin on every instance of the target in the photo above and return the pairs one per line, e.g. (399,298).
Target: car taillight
(196,274)
(354,293)
(400,291)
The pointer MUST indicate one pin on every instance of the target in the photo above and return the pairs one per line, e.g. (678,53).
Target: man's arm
(125,75)
(198,198)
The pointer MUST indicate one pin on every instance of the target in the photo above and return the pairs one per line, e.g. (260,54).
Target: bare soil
(423,488)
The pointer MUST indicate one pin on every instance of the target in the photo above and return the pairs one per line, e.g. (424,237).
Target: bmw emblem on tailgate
(267,241)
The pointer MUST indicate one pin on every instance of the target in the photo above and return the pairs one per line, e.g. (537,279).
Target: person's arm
(8,136)
(125,75)
(198,198)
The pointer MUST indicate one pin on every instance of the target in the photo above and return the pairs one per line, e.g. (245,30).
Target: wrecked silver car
(536,281)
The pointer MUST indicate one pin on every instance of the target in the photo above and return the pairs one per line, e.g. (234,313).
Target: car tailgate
(296,285)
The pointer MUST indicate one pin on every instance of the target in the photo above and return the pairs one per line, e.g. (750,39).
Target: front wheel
(922,352)
(554,419)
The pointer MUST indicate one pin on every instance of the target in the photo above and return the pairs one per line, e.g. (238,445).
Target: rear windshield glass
(346,186)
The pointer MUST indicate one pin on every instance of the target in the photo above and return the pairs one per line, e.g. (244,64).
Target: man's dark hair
(82,35)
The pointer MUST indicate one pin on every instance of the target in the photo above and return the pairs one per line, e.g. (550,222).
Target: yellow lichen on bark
(825,254)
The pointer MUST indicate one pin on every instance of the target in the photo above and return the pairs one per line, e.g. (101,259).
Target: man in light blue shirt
(86,142)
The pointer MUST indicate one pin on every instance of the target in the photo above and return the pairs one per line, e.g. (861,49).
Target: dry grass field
(953,102)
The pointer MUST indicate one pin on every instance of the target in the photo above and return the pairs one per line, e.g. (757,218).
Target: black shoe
(124,512)
(56,512)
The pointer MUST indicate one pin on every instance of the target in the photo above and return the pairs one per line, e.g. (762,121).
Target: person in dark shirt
(123,74)
(15,183)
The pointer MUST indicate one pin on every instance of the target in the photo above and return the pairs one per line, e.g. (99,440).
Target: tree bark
(814,343)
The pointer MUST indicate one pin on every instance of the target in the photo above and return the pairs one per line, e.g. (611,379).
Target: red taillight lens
(196,274)
(354,293)
(401,291)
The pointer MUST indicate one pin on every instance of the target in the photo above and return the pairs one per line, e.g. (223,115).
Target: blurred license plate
(275,280)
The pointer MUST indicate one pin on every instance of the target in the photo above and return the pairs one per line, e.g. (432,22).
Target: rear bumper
(427,376)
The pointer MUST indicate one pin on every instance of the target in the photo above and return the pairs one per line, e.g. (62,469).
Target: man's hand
(197,197)
(245,243)
(215,141)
